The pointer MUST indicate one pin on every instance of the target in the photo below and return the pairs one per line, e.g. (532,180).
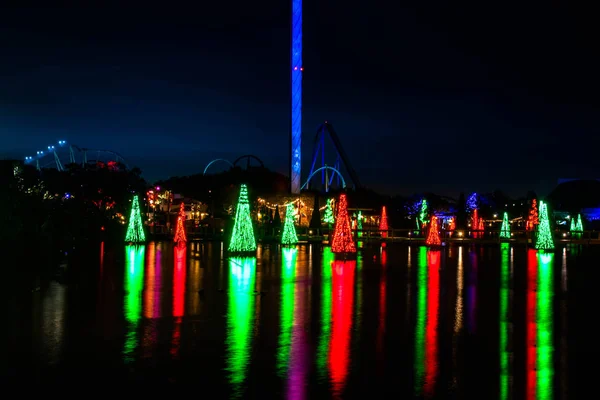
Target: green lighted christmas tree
(579,226)
(242,236)
(328,218)
(544,240)
(135,229)
(289,230)
(423,213)
(505,229)
(573,227)
(359,219)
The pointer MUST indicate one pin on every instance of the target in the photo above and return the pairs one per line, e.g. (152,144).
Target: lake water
(485,322)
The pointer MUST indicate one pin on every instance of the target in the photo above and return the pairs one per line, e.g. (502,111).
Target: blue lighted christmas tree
(544,239)
(289,236)
(242,236)
(135,229)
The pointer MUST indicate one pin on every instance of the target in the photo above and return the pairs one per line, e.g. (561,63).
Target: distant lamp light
(564,235)
(460,233)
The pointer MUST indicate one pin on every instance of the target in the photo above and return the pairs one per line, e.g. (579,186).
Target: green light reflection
(288,275)
(505,372)
(545,326)
(420,319)
(242,276)
(326,293)
(134,284)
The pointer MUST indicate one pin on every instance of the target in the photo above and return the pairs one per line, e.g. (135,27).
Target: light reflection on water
(325,327)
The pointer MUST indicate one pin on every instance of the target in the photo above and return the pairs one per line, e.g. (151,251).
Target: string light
(433,238)
(180,236)
(289,236)
(242,236)
(343,242)
(328,217)
(135,229)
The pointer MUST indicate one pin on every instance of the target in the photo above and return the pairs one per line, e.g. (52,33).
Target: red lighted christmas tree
(383,223)
(533,219)
(433,238)
(475,222)
(480,228)
(342,241)
(180,228)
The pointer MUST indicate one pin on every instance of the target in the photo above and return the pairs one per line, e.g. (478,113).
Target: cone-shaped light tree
(328,217)
(579,225)
(383,222)
(242,236)
(359,219)
(433,237)
(573,227)
(135,229)
(532,218)
(475,222)
(180,236)
(481,228)
(505,229)
(544,239)
(342,242)
(289,237)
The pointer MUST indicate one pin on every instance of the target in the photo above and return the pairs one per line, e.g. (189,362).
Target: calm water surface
(462,322)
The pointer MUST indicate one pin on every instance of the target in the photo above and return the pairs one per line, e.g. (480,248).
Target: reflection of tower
(286,309)
(299,350)
(421,318)
(242,273)
(505,325)
(431,344)
(472,294)
(296,101)
(343,299)
(382,303)
(458,317)
(326,297)
(134,283)
(179,272)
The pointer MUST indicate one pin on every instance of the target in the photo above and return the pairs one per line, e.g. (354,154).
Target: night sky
(453,96)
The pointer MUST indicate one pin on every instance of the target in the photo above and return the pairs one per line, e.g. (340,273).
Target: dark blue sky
(447,97)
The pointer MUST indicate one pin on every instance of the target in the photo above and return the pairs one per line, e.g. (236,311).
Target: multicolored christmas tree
(433,237)
(532,218)
(505,229)
(328,217)
(383,223)
(544,239)
(289,237)
(242,236)
(135,229)
(180,236)
(342,242)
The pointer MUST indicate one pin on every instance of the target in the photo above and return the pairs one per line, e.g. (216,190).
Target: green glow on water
(288,274)
(324,338)
(420,319)
(504,322)
(545,326)
(241,298)
(134,284)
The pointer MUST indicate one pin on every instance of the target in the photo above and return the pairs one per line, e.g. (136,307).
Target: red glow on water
(382,304)
(179,281)
(431,344)
(153,283)
(342,307)
(532,271)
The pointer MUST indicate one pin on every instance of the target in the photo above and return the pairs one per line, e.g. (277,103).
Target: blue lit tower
(296,93)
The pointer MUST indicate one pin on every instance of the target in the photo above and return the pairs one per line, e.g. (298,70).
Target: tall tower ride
(296,97)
